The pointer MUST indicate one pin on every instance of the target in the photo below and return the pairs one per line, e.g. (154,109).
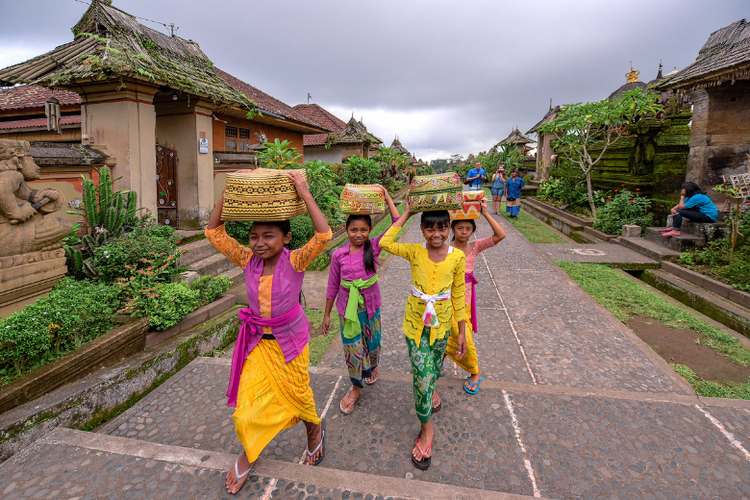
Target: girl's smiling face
(358,231)
(463,231)
(267,241)
(435,235)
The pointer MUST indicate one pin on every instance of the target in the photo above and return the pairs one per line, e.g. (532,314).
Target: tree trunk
(590,192)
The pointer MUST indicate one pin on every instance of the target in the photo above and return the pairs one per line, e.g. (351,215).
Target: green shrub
(145,247)
(210,288)
(73,313)
(239,230)
(165,304)
(302,231)
(624,208)
(362,171)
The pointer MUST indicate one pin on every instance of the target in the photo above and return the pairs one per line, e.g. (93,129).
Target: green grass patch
(319,345)
(625,298)
(533,229)
(712,389)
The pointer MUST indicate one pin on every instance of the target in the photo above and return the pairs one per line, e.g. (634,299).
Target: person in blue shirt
(694,205)
(513,194)
(476,176)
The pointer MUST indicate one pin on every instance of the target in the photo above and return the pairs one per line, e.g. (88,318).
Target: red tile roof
(326,120)
(264,101)
(34,96)
(38,122)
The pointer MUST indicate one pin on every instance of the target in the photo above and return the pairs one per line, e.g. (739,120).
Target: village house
(344,140)
(718,85)
(151,105)
(545,153)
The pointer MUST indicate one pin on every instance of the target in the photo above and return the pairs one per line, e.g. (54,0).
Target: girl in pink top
(353,277)
(462,231)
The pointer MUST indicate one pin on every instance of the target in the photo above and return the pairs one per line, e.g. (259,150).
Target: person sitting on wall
(23,227)
(694,205)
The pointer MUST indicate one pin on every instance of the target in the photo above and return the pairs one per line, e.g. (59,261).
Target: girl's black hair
(284,225)
(692,188)
(367,254)
(455,222)
(439,219)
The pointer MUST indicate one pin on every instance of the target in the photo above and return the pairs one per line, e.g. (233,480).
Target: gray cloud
(478,68)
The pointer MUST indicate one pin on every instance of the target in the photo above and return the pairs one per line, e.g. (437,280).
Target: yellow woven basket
(362,199)
(261,195)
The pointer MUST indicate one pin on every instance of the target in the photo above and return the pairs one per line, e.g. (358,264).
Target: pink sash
(471,279)
(249,336)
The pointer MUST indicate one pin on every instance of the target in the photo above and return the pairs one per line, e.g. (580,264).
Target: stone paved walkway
(573,406)
(604,253)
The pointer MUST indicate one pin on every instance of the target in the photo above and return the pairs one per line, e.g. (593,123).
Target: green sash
(351,322)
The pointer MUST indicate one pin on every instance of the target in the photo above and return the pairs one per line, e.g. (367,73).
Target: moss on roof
(110,44)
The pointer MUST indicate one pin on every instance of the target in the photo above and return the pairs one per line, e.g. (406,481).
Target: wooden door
(166,186)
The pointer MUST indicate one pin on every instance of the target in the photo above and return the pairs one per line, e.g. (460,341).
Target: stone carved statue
(24,227)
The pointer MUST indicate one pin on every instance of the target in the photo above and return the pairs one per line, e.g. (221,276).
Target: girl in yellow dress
(437,295)
(269,384)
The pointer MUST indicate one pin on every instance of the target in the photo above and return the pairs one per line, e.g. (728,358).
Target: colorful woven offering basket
(429,193)
(362,199)
(471,208)
(263,194)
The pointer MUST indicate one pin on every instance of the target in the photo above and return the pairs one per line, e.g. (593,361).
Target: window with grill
(231,132)
(231,146)
(244,133)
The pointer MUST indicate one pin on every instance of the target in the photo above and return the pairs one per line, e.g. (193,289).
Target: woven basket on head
(261,195)
(362,199)
(430,193)
(471,208)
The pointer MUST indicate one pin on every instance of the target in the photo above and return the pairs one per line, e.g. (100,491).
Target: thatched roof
(354,133)
(548,117)
(399,148)
(110,44)
(516,137)
(724,57)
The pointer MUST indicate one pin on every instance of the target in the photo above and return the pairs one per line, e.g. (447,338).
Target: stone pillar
(182,122)
(121,116)
(696,163)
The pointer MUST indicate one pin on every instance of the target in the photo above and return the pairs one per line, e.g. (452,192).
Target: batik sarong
(426,360)
(362,352)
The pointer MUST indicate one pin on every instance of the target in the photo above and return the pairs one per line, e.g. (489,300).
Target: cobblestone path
(573,406)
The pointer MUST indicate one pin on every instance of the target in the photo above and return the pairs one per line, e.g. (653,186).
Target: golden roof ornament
(632,76)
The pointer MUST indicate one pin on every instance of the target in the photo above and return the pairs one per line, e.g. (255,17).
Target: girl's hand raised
(483,205)
(300,183)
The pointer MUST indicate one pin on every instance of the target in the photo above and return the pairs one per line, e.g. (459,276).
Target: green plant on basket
(624,208)
(73,313)
(278,155)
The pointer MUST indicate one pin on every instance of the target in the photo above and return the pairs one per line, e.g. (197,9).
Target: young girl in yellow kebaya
(353,279)
(437,296)
(462,231)
(269,384)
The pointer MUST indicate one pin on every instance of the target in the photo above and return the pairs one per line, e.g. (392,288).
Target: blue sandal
(474,387)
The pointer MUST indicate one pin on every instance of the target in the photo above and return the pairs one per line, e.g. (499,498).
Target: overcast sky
(446,77)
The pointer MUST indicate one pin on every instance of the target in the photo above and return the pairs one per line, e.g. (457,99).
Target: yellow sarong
(273,396)
(469,362)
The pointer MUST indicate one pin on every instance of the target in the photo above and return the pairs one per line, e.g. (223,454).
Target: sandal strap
(237,470)
(468,379)
(423,452)
(311,453)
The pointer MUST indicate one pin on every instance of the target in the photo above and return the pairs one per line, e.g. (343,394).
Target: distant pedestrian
(353,278)
(513,194)
(476,176)
(498,188)
(694,205)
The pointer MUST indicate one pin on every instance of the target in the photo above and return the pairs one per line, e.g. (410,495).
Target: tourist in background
(513,194)
(694,205)
(476,176)
(498,188)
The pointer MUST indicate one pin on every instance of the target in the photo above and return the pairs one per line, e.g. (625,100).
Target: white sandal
(354,402)
(240,476)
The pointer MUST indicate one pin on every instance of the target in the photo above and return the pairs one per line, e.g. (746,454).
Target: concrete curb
(722,290)
(334,479)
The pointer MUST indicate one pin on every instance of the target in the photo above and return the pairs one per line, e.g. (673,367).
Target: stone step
(649,249)
(487,442)
(235,274)
(709,231)
(196,251)
(74,462)
(681,243)
(213,265)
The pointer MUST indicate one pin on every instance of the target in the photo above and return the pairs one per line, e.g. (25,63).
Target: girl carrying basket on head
(353,279)
(269,384)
